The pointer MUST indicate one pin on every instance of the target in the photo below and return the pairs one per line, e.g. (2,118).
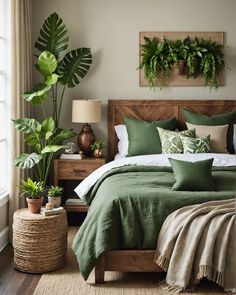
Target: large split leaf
(25,161)
(53,35)
(27,125)
(75,65)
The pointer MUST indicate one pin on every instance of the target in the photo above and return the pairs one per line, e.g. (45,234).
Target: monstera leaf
(38,94)
(53,35)
(27,125)
(25,161)
(75,63)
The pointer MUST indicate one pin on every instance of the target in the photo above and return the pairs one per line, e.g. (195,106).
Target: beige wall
(111,28)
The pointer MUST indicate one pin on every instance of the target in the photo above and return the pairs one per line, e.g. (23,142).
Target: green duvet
(129,206)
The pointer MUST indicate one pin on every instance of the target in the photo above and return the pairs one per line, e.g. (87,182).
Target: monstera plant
(59,73)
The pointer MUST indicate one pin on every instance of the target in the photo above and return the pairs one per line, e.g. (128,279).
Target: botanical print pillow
(196,145)
(171,142)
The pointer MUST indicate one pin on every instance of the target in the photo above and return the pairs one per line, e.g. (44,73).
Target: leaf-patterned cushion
(196,145)
(171,142)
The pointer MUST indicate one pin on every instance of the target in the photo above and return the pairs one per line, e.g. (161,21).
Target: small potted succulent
(54,195)
(96,148)
(32,190)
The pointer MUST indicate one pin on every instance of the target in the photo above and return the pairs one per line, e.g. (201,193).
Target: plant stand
(40,242)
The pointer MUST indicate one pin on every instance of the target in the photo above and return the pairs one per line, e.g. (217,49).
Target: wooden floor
(14,282)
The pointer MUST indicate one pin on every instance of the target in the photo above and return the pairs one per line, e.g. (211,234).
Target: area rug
(68,281)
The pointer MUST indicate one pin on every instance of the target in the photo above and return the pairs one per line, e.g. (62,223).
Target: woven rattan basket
(40,242)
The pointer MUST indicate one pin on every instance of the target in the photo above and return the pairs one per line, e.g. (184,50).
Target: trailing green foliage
(201,57)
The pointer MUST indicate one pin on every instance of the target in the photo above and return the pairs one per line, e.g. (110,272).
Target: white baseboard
(4,238)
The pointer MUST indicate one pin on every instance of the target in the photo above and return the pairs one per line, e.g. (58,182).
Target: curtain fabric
(21,57)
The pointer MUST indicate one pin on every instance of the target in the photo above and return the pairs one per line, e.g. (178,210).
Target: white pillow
(122,135)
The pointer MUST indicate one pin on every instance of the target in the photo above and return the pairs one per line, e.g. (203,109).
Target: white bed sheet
(151,160)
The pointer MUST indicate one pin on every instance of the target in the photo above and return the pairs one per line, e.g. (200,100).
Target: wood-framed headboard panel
(151,110)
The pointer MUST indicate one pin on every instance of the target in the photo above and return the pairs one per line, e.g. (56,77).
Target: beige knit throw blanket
(199,241)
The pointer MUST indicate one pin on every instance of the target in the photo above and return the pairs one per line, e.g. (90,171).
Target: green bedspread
(129,205)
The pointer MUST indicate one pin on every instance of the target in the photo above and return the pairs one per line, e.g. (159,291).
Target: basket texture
(40,242)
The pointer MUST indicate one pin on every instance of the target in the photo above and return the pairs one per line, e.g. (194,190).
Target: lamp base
(85,138)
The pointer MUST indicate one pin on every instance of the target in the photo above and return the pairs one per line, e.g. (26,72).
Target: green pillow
(143,136)
(171,142)
(221,119)
(195,145)
(194,176)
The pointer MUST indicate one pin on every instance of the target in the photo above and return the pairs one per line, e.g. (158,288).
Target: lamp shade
(86,111)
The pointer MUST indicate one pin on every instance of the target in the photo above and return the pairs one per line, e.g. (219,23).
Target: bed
(140,257)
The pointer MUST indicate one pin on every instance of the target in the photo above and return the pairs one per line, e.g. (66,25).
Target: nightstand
(65,169)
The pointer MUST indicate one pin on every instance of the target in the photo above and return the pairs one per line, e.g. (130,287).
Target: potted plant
(157,61)
(96,148)
(193,57)
(32,190)
(54,195)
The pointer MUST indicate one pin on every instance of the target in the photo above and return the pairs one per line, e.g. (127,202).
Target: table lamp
(86,111)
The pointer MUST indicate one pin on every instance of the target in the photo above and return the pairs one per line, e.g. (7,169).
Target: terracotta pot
(98,153)
(34,205)
(56,201)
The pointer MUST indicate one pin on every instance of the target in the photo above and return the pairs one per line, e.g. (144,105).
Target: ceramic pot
(56,201)
(98,153)
(34,205)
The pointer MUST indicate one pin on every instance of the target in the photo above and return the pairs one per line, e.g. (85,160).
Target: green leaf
(25,161)
(53,35)
(27,125)
(48,125)
(31,139)
(62,135)
(48,135)
(75,65)
(36,94)
(51,80)
(47,63)
(52,148)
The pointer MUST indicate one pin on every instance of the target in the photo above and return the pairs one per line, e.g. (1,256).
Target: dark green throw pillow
(143,136)
(221,119)
(192,176)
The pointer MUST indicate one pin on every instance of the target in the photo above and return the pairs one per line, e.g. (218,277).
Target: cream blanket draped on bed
(199,241)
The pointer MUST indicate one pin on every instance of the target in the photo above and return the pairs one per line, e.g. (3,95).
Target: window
(5,71)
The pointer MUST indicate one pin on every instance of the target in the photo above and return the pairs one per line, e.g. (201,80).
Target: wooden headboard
(151,110)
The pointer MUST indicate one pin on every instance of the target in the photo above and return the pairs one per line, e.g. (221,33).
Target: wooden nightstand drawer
(75,170)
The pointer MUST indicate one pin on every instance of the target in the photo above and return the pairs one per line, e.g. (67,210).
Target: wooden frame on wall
(177,79)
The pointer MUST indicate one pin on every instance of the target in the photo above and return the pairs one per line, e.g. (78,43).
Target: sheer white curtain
(21,57)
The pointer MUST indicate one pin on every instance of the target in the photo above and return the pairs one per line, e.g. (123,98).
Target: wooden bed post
(100,270)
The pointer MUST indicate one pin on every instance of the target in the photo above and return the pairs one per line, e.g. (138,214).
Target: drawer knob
(79,170)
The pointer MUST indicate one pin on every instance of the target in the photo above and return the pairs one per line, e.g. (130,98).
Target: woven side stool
(39,242)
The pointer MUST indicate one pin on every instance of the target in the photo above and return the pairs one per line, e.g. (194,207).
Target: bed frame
(149,110)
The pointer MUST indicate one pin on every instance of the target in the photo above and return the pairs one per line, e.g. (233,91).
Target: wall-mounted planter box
(176,79)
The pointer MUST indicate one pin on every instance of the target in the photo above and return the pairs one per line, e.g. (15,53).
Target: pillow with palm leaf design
(196,145)
(171,142)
